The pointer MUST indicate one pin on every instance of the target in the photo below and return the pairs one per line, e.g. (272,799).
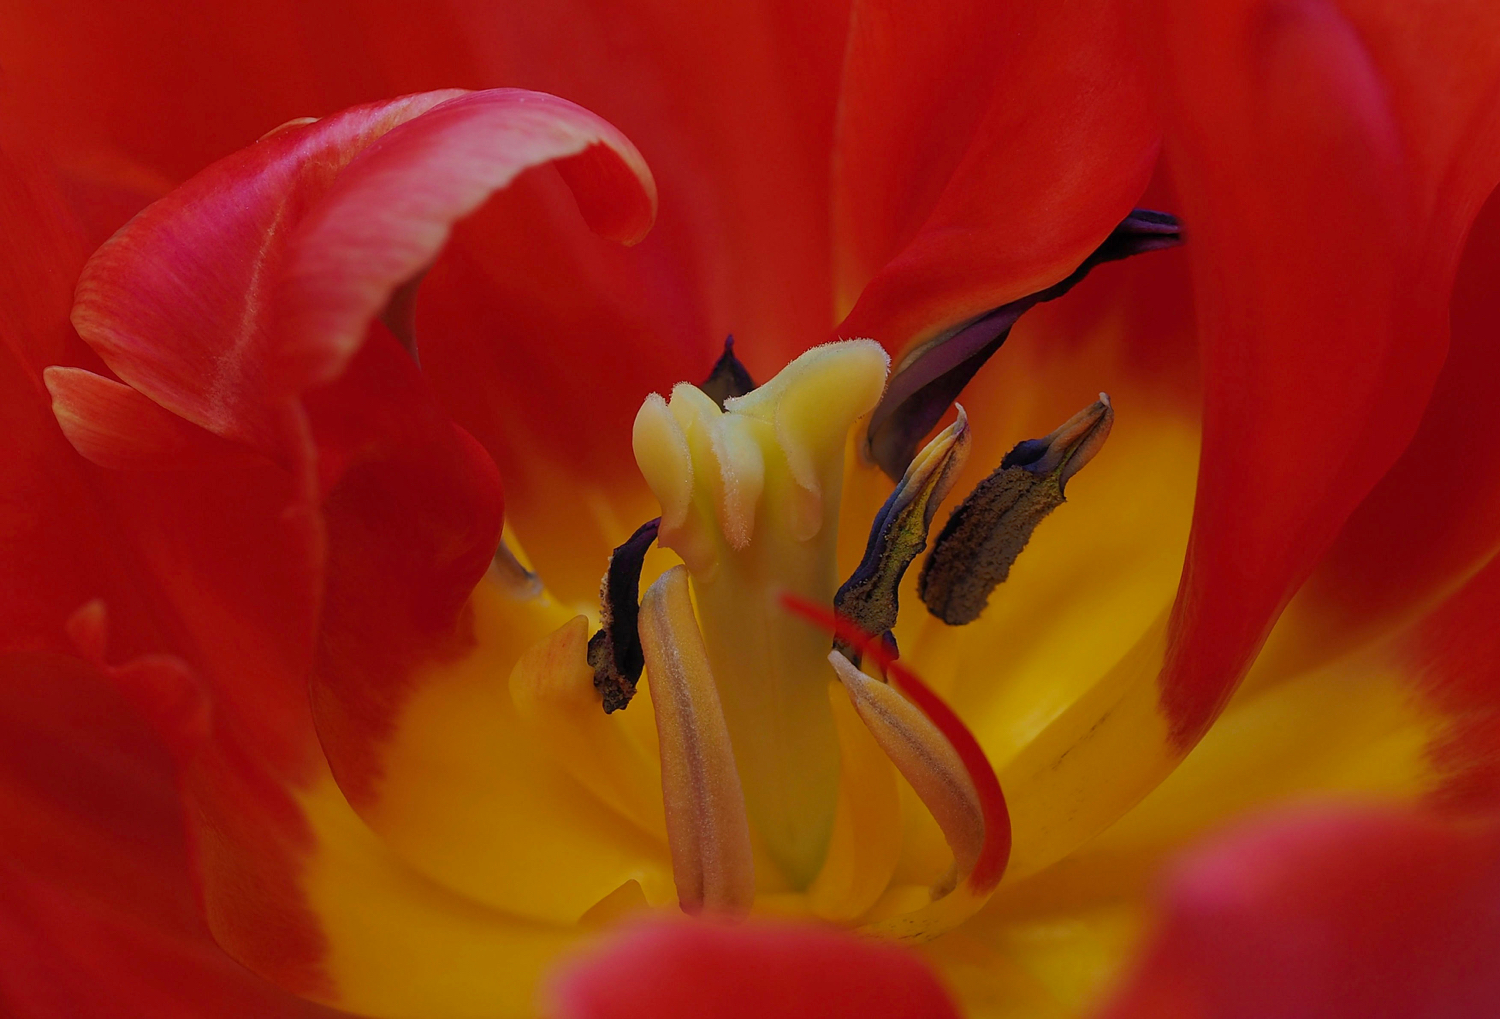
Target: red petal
(677,970)
(1314,313)
(233,578)
(205,261)
(55,544)
(1455,655)
(1399,549)
(1040,141)
(1341,913)
(411,526)
(97,915)
(1434,515)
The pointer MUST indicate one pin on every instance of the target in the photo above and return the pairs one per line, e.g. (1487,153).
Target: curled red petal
(183,304)
(114,426)
(1327,913)
(683,969)
(178,303)
(391,210)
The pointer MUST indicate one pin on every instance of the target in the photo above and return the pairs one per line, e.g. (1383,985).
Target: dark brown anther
(931,377)
(728,378)
(974,552)
(899,534)
(615,651)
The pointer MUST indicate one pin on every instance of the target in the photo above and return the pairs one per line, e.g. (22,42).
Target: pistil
(750,500)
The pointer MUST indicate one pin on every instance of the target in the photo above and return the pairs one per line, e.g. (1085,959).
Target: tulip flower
(385,499)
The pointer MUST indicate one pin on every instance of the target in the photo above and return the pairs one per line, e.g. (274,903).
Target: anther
(708,831)
(984,535)
(899,534)
(614,652)
(933,375)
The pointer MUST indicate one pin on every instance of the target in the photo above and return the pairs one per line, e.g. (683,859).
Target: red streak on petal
(995,852)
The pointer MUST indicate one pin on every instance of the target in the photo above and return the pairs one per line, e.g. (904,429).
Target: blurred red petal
(677,970)
(97,914)
(1335,913)
(231,578)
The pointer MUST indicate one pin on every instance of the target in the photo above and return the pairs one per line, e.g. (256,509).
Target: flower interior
(765,734)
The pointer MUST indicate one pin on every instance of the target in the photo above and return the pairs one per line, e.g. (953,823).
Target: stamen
(974,552)
(615,651)
(973,890)
(512,575)
(933,375)
(899,534)
(729,378)
(707,827)
(924,756)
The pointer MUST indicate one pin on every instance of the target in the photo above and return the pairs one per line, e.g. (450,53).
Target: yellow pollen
(750,501)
